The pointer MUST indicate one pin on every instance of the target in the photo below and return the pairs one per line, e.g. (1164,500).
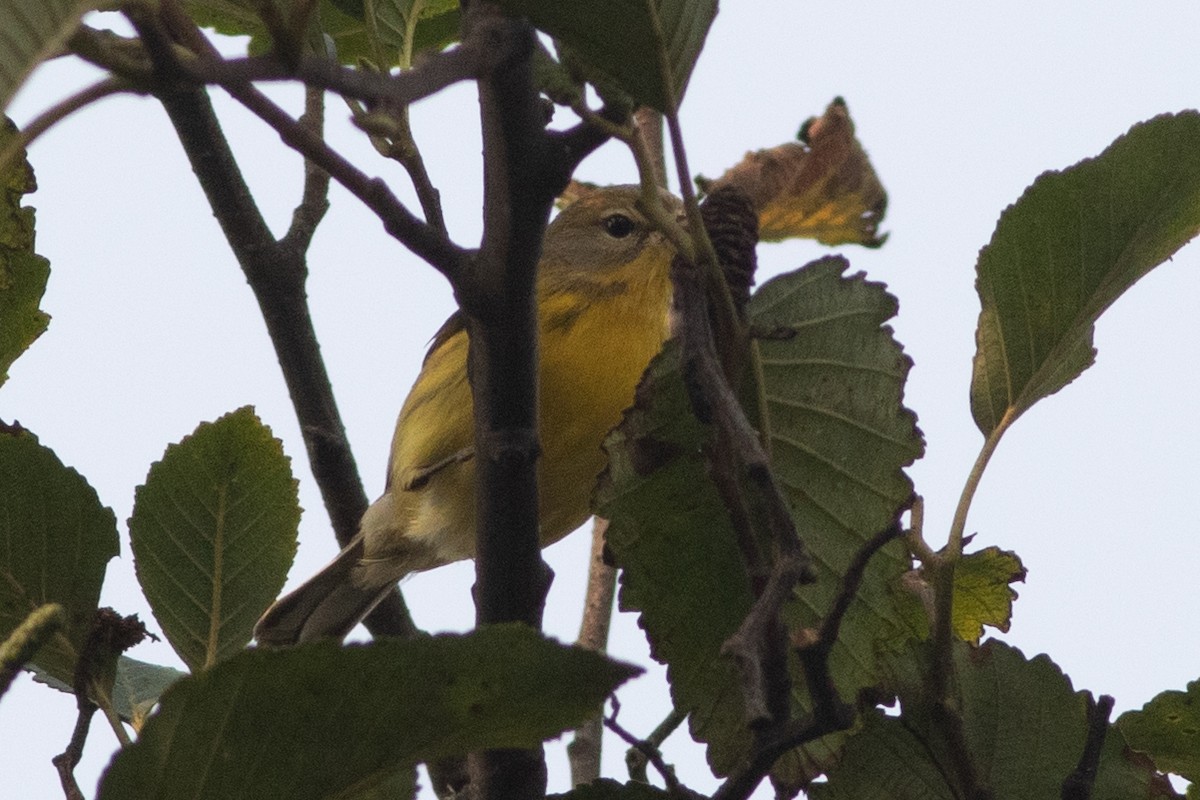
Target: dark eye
(618,226)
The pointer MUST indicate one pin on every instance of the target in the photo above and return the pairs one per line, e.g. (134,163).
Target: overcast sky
(959,106)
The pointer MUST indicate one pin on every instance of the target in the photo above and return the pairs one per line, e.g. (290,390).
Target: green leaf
(213,534)
(137,688)
(607,789)
(884,761)
(618,38)
(320,720)
(1024,728)
(840,437)
(31,33)
(1167,729)
(29,637)
(55,540)
(1066,250)
(23,273)
(343,22)
(670,534)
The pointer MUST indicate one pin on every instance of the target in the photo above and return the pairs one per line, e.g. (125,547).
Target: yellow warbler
(603,298)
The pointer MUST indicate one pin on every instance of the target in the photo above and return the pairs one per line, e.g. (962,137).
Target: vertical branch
(498,299)
(584,750)
(497,296)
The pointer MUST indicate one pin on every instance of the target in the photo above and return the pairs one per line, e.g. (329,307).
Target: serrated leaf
(29,34)
(983,593)
(618,39)
(884,761)
(1066,250)
(55,541)
(1167,729)
(822,188)
(1024,727)
(213,533)
(840,438)
(320,720)
(23,273)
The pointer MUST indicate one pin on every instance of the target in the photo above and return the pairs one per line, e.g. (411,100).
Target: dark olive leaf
(322,720)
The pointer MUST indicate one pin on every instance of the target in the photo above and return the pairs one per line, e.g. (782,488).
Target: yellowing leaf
(982,593)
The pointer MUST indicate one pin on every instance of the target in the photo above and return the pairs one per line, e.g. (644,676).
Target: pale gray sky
(959,105)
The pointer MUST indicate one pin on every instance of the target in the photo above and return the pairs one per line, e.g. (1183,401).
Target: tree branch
(314,198)
(635,757)
(276,276)
(828,707)
(475,56)
(428,242)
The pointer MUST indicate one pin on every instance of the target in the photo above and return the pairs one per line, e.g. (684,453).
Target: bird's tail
(327,606)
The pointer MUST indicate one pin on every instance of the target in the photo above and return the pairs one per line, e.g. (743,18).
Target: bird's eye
(618,226)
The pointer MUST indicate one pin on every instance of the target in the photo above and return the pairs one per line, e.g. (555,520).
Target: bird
(603,301)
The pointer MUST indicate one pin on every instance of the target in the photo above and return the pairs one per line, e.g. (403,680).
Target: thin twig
(651,752)
(60,111)
(66,761)
(649,125)
(635,759)
(583,752)
(757,644)
(827,704)
(425,241)
(393,138)
(429,243)
(314,198)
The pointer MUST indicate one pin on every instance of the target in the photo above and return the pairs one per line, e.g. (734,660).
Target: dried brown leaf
(822,187)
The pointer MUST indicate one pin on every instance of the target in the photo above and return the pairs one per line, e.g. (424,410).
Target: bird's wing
(436,429)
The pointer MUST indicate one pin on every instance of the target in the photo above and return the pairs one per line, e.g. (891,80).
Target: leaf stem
(959,523)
